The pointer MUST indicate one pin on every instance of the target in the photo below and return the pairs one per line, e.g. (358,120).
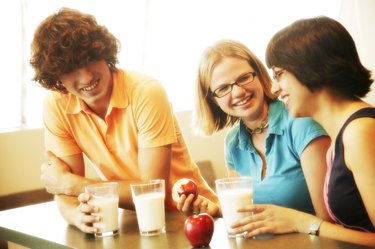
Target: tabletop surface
(41,226)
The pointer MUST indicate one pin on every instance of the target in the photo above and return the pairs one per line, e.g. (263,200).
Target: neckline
(259,129)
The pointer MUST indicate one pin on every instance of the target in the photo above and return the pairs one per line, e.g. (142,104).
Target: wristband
(314,227)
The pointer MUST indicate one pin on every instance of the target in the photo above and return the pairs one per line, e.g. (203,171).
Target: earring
(59,84)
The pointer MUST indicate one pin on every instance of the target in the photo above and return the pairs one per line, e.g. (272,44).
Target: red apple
(199,229)
(186,187)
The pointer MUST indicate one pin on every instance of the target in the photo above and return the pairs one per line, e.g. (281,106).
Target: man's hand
(84,220)
(52,174)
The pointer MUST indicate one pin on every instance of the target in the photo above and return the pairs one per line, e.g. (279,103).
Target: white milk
(108,213)
(150,212)
(230,201)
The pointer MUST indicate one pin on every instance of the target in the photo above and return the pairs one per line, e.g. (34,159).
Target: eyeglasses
(225,89)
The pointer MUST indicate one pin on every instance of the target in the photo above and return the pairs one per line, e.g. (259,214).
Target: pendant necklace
(258,130)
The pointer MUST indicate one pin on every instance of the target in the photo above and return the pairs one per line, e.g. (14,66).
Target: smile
(242,102)
(89,88)
(285,99)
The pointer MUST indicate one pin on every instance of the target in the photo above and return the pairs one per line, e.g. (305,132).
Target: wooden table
(41,226)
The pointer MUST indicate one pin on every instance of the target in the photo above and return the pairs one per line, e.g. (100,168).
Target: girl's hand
(268,219)
(200,205)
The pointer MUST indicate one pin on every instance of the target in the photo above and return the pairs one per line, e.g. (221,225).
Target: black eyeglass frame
(253,74)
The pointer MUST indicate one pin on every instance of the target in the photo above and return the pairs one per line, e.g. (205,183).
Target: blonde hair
(208,116)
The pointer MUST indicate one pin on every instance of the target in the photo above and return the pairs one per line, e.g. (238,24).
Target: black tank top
(344,199)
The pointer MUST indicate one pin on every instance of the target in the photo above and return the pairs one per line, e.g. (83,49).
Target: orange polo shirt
(139,116)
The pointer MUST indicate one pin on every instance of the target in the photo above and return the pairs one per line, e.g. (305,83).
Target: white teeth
(89,88)
(242,102)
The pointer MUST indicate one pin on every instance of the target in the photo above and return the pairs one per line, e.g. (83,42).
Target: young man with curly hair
(121,120)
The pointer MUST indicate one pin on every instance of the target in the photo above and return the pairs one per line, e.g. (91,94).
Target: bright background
(162,38)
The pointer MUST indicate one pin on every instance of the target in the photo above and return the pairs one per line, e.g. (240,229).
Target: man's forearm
(73,185)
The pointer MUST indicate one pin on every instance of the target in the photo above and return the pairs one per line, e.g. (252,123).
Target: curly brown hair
(66,41)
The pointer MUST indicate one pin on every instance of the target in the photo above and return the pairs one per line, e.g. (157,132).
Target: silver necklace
(258,130)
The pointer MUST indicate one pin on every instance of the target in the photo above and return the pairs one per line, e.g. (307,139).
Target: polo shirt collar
(275,125)
(275,118)
(119,98)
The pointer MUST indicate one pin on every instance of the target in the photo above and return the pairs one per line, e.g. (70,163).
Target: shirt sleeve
(57,138)
(303,131)
(154,115)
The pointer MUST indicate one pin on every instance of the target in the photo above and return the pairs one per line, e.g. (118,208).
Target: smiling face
(91,83)
(298,99)
(245,102)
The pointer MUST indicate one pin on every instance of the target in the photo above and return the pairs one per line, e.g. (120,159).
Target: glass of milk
(105,196)
(233,193)
(148,198)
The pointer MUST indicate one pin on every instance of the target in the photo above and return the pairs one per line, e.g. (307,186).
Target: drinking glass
(148,198)
(105,196)
(233,193)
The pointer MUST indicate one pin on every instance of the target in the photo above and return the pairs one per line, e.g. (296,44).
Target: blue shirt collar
(276,125)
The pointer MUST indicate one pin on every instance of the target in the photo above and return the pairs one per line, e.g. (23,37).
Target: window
(162,38)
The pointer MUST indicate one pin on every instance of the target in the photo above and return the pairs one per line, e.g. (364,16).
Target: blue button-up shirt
(284,183)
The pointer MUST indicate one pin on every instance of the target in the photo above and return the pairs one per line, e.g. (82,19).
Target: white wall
(204,147)
(22,153)
(358,17)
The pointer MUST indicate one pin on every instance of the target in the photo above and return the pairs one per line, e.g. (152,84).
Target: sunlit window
(162,38)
